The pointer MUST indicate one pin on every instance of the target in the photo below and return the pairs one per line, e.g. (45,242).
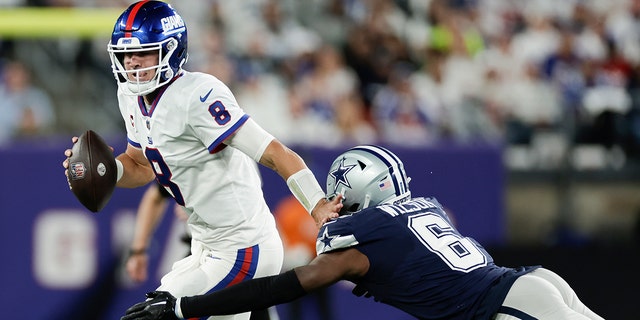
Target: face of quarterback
(145,61)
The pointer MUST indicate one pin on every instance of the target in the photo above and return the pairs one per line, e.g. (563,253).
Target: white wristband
(120,170)
(305,188)
(177,309)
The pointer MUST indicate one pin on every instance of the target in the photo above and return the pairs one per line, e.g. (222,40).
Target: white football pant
(207,270)
(544,295)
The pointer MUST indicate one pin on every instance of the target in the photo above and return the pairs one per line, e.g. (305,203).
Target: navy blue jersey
(419,262)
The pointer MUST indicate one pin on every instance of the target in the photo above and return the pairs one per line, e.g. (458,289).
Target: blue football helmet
(148,26)
(367,176)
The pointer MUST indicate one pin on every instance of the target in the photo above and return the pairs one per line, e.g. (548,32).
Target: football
(92,171)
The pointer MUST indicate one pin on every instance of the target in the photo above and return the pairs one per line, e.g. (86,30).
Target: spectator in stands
(353,122)
(329,19)
(266,98)
(454,30)
(399,114)
(605,100)
(281,38)
(467,117)
(621,26)
(325,100)
(633,117)
(428,83)
(530,105)
(564,70)
(26,109)
(590,36)
(372,49)
(536,42)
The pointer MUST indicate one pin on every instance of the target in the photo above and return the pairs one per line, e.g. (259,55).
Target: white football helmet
(366,176)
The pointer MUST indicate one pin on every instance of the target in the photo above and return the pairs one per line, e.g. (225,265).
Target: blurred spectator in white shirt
(279,36)
(531,105)
(538,41)
(265,98)
(622,25)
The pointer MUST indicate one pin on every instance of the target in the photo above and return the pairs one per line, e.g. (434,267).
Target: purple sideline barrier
(64,262)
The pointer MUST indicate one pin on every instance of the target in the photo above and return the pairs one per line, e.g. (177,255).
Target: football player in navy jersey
(402,251)
(186,130)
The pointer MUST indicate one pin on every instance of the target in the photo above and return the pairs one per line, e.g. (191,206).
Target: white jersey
(181,135)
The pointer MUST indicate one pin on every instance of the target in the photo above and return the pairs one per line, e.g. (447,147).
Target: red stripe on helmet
(132,16)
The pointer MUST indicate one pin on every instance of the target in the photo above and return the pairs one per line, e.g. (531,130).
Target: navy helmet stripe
(398,162)
(376,152)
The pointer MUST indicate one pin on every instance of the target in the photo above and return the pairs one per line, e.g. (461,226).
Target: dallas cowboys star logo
(340,175)
(326,239)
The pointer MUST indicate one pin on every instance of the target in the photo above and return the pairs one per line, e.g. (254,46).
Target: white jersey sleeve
(251,139)
(125,103)
(218,115)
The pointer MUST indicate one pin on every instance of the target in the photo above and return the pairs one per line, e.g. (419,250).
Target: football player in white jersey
(186,130)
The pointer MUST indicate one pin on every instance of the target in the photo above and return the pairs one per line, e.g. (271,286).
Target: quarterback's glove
(160,305)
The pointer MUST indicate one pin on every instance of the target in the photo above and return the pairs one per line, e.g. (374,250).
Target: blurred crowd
(414,73)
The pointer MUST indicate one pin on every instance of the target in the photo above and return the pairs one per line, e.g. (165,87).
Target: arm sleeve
(251,139)
(250,295)
(218,117)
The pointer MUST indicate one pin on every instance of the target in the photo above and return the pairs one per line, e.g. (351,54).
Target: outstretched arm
(301,181)
(324,270)
(260,293)
(268,151)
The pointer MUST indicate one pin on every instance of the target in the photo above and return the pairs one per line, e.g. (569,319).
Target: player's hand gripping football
(326,210)
(91,170)
(160,305)
(65,163)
